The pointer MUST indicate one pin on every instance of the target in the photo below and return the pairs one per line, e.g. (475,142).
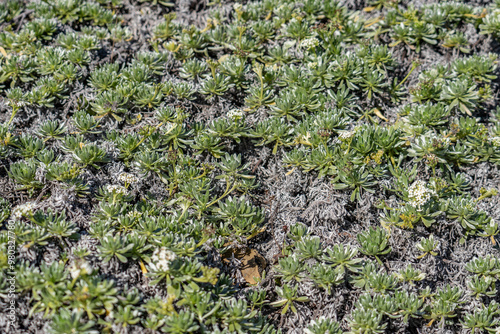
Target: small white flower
(313,64)
(309,43)
(86,267)
(344,135)
(116,189)
(419,194)
(161,259)
(128,178)
(23,210)
(14,103)
(80,267)
(74,271)
(134,214)
(235,113)
(495,141)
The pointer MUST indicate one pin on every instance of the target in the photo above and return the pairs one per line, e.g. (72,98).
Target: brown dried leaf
(252,263)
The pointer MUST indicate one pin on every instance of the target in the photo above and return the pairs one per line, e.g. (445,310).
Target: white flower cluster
(14,103)
(310,43)
(347,134)
(162,258)
(23,210)
(128,178)
(116,189)
(495,141)
(312,64)
(419,194)
(235,113)
(134,214)
(81,267)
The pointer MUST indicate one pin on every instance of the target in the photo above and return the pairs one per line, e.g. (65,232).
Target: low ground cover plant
(270,166)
